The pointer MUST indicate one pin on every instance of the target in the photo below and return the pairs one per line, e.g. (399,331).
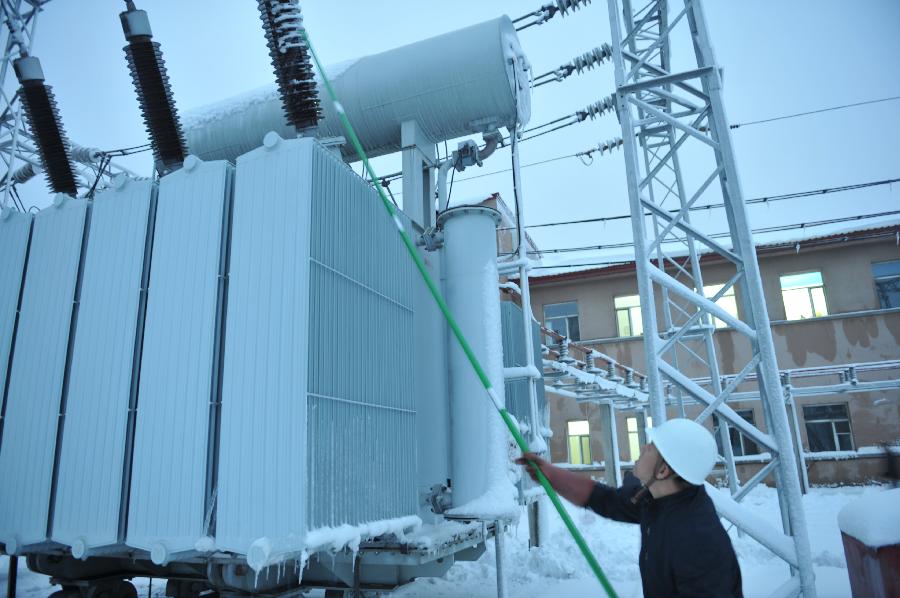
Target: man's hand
(527,459)
(571,486)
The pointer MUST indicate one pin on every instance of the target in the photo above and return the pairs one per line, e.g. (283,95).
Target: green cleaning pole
(451,321)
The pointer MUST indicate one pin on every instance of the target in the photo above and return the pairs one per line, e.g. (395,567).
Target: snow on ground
(558,569)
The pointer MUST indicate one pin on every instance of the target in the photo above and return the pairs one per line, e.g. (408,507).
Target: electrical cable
(721,235)
(769,246)
(753,201)
(819,111)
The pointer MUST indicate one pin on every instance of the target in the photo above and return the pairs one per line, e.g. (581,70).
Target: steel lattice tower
(668,118)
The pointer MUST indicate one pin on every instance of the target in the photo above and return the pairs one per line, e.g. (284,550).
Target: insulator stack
(603,147)
(609,145)
(564,6)
(151,82)
(589,60)
(283,24)
(597,109)
(43,118)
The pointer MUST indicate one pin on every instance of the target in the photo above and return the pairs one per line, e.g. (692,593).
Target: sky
(779,58)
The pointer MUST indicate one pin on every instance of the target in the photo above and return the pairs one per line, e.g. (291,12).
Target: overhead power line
(807,243)
(769,229)
(819,111)
(755,200)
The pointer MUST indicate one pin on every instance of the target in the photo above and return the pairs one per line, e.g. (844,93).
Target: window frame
(731,292)
(835,435)
(809,296)
(884,278)
(628,314)
(566,319)
(584,442)
(735,436)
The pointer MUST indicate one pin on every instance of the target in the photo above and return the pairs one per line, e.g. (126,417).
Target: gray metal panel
(15,229)
(89,486)
(261,486)
(514,356)
(36,379)
(178,360)
(361,395)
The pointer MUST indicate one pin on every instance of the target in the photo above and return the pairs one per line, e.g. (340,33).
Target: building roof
(623,263)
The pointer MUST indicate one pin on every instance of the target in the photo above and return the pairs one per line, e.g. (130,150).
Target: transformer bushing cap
(135,23)
(28,68)
(160,554)
(191,163)
(80,549)
(59,199)
(271,140)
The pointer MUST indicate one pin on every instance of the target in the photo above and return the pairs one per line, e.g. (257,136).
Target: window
(579,435)
(727,301)
(887,283)
(740,444)
(828,428)
(562,318)
(634,435)
(628,315)
(803,296)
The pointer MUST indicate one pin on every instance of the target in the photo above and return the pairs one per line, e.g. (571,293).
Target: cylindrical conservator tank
(467,81)
(470,283)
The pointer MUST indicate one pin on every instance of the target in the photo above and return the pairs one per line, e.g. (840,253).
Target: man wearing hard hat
(685,551)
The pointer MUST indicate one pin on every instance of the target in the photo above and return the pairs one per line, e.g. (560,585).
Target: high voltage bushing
(597,109)
(43,118)
(283,24)
(151,82)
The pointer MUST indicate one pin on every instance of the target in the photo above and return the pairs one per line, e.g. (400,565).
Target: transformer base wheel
(119,588)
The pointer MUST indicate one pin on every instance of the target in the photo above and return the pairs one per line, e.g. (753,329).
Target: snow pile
(874,520)
(336,538)
(204,115)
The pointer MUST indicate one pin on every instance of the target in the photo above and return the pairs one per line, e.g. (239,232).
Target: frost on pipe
(455,84)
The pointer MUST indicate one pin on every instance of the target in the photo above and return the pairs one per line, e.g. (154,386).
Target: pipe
(500,549)
(530,372)
(443,169)
(14,572)
(470,276)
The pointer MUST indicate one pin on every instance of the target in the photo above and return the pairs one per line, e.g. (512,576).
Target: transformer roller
(282,23)
(151,82)
(43,118)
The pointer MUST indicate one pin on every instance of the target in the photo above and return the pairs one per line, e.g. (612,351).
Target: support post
(11,578)
(418,180)
(500,549)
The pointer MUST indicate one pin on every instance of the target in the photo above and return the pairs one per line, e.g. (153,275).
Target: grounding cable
(454,327)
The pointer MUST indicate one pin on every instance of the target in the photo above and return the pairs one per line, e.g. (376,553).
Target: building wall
(855,331)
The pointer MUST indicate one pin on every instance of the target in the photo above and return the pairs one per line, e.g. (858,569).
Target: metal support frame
(418,177)
(665,116)
(18,152)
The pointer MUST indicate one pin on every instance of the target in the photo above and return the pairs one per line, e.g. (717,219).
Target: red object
(874,572)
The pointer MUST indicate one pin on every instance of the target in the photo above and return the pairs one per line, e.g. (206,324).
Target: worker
(685,551)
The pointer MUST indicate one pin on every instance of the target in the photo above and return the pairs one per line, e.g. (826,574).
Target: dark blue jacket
(685,551)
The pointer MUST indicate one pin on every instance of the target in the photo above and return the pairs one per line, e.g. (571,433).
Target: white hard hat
(687,447)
